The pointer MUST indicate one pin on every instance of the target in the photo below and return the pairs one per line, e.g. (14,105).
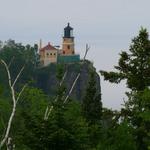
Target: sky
(106,25)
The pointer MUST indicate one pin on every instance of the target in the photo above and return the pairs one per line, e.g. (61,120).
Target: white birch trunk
(14,99)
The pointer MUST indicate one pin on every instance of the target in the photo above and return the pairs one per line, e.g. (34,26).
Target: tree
(91,103)
(19,55)
(92,110)
(119,137)
(15,99)
(138,110)
(64,129)
(28,125)
(66,132)
(133,66)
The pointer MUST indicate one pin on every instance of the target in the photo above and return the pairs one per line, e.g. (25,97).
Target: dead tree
(10,145)
(78,75)
(15,98)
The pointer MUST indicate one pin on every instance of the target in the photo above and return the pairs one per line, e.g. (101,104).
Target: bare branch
(74,83)
(86,51)
(64,76)
(76,79)
(18,76)
(48,110)
(11,61)
(21,93)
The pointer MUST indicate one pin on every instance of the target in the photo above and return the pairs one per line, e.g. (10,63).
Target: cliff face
(46,79)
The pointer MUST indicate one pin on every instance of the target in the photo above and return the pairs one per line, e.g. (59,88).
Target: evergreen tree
(135,65)
(58,102)
(118,138)
(137,113)
(91,103)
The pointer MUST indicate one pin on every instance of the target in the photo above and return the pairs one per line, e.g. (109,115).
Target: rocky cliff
(46,78)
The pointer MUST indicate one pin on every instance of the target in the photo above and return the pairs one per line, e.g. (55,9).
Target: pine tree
(138,110)
(58,103)
(91,103)
(135,65)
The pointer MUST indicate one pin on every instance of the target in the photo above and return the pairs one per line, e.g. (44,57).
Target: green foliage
(34,101)
(135,68)
(65,128)
(91,103)
(75,125)
(135,65)
(16,56)
(118,138)
(138,110)
(68,131)
(5,108)
(92,110)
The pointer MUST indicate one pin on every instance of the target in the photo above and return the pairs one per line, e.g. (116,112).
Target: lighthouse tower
(68,41)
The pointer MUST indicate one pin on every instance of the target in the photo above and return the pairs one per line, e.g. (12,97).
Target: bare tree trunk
(9,144)
(14,99)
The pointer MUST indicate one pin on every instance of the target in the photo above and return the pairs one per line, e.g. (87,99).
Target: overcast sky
(106,25)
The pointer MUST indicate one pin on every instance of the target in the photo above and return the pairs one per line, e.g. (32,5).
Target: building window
(72,52)
(63,52)
(54,53)
(51,54)
(68,46)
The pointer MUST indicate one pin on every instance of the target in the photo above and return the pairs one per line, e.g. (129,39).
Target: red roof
(48,47)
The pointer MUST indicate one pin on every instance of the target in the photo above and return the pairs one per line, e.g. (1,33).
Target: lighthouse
(68,41)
